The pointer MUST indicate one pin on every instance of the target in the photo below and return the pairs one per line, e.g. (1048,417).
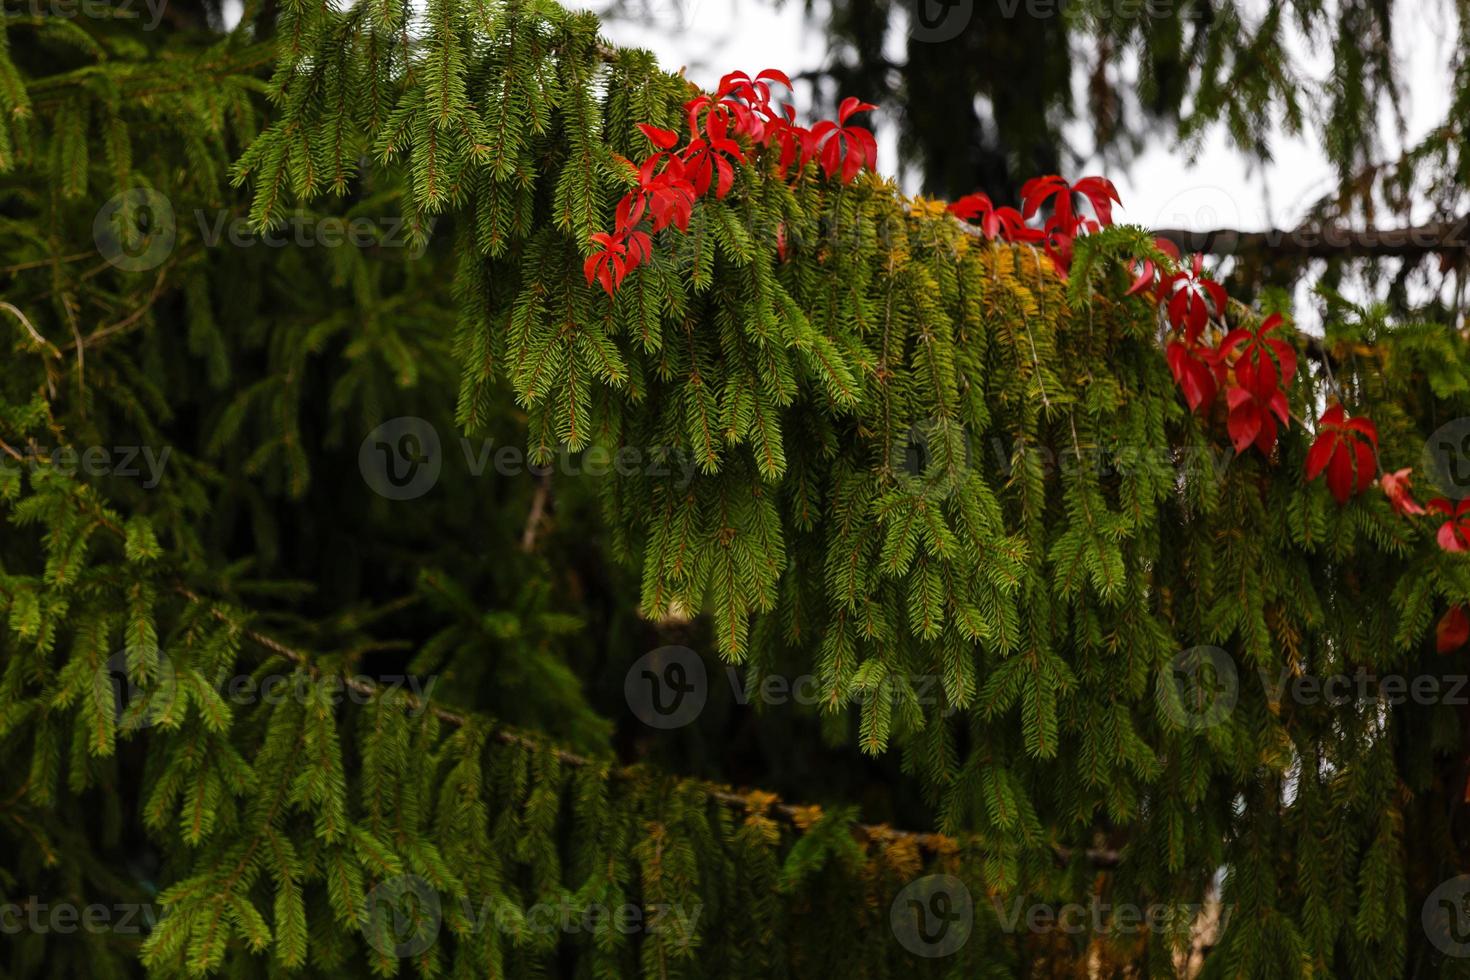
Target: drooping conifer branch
(797,814)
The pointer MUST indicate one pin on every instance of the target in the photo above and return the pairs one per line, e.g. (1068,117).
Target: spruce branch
(725,795)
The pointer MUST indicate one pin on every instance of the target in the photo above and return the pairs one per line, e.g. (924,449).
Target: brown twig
(14,310)
(538,510)
(725,795)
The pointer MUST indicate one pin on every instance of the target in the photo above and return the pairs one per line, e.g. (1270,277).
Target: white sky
(1162,188)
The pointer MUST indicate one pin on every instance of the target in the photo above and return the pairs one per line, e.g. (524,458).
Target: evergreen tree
(986,93)
(322,699)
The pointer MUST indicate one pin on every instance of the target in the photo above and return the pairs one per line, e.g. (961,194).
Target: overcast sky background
(1162,187)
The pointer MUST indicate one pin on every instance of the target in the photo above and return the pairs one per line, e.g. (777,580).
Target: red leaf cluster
(1399,489)
(1453,630)
(1342,451)
(1253,367)
(726,129)
(1454,534)
(1262,365)
(1056,235)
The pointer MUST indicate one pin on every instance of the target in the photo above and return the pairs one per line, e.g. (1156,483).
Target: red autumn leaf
(1453,630)
(1058,246)
(1148,272)
(1013,227)
(1192,298)
(640,250)
(706,106)
(1194,368)
(670,193)
(756,93)
(774,75)
(629,212)
(1398,488)
(1264,362)
(1454,534)
(1253,418)
(664,139)
(1101,194)
(977,205)
(707,158)
(1098,191)
(845,149)
(1342,450)
(609,265)
(795,142)
(1005,223)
